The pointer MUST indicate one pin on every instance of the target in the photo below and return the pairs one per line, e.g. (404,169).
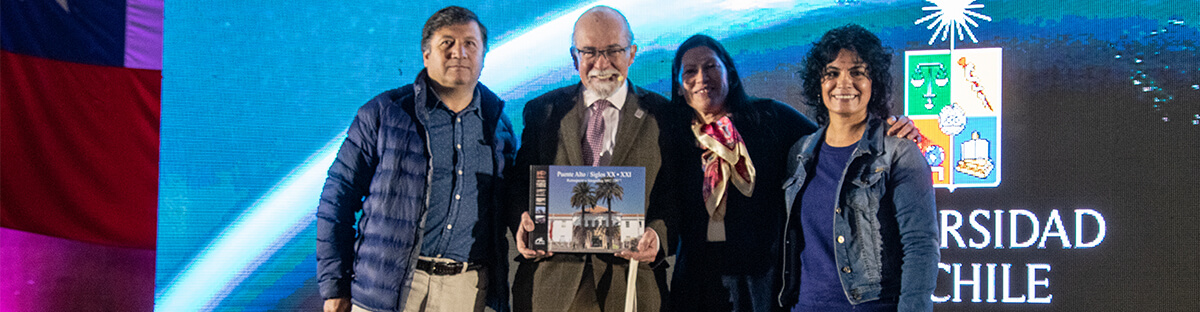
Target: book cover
(587,209)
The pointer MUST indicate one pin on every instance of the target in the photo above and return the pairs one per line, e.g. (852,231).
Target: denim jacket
(885,210)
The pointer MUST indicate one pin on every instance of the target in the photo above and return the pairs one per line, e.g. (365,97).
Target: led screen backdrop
(1064,135)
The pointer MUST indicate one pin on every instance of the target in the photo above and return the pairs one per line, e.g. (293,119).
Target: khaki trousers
(445,293)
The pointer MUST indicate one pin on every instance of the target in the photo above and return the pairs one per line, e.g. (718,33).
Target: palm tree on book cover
(606,189)
(582,197)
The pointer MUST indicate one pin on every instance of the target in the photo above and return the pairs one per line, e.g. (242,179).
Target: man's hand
(337,305)
(902,127)
(647,248)
(523,236)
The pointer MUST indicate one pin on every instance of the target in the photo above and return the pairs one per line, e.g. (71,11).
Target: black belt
(446,268)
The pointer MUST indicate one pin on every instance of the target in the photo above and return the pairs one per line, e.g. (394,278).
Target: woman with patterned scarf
(724,157)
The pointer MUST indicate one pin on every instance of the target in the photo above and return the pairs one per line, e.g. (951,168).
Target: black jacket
(753,224)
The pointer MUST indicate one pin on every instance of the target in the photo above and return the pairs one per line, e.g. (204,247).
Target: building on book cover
(587,209)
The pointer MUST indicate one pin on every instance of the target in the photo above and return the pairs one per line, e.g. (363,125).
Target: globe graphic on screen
(934,155)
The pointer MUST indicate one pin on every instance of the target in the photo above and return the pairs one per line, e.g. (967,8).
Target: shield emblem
(954,97)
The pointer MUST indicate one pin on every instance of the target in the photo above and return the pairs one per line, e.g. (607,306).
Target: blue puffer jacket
(382,170)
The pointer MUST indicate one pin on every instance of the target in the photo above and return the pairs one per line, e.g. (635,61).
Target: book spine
(539,207)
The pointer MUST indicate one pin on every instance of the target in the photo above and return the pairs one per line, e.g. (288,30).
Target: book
(585,209)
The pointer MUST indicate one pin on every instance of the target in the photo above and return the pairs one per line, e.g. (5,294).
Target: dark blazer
(752,223)
(552,137)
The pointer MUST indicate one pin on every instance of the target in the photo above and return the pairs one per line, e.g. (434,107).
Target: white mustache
(603,74)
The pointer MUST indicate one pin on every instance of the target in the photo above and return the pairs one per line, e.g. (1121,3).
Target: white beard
(603,89)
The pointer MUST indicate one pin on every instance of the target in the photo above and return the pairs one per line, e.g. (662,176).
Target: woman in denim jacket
(861,231)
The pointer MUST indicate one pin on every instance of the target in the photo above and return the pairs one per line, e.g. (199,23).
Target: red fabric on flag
(80,150)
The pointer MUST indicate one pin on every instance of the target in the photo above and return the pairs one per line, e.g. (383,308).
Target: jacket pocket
(867,189)
(358,241)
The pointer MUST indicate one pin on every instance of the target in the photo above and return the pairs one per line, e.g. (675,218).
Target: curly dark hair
(736,97)
(450,16)
(869,48)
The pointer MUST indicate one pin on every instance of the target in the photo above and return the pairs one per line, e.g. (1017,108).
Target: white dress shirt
(611,118)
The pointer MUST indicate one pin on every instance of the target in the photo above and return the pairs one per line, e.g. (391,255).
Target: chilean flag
(79,133)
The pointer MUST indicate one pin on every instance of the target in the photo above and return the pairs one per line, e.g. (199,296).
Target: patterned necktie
(593,141)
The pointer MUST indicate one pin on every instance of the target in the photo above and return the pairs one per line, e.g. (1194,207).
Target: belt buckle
(447,268)
(441,268)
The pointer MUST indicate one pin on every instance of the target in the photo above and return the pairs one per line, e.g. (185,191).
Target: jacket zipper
(416,249)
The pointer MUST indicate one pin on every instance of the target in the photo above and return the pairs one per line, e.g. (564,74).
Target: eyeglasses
(590,54)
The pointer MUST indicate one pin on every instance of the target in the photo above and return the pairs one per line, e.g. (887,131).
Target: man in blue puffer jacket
(422,163)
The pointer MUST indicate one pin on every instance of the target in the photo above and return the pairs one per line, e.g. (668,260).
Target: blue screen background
(257,95)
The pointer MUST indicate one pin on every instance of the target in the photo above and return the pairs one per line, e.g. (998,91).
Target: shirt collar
(617,98)
(435,101)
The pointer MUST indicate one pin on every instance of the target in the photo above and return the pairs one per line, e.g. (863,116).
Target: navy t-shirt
(820,286)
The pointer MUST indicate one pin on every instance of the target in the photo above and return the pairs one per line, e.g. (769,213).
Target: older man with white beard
(603,121)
